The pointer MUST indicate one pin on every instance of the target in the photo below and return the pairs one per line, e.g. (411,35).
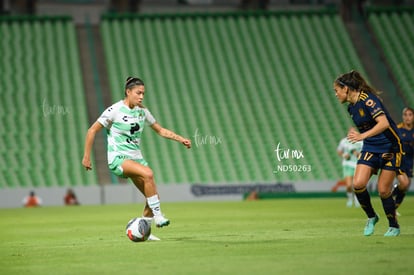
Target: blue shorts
(116,165)
(383,161)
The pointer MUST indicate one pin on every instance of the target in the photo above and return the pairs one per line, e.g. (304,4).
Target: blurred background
(250,82)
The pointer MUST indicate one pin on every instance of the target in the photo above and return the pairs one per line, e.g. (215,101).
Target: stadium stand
(393,28)
(43,107)
(237,84)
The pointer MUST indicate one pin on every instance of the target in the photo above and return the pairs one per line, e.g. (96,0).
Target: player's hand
(186,143)
(86,162)
(354,136)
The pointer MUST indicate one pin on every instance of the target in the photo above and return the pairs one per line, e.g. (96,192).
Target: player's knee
(359,185)
(148,174)
(384,194)
(404,183)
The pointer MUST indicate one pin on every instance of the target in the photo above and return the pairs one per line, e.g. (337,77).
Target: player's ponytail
(355,81)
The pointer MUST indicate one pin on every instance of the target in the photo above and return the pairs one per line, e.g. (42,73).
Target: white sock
(350,196)
(154,204)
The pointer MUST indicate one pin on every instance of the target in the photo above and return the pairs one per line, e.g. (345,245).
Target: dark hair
(355,81)
(132,81)
(408,109)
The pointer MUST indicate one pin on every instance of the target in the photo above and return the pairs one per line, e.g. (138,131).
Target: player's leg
(143,178)
(385,181)
(147,212)
(351,175)
(354,197)
(362,175)
(361,178)
(401,189)
(349,191)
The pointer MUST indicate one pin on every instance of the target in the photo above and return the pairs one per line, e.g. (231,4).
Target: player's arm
(341,150)
(343,154)
(381,126)
(89,139)
(170,134)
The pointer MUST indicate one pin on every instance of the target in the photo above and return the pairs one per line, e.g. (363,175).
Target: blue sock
(365,201)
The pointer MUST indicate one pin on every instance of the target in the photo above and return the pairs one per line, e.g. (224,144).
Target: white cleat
(153,238)
(161,221)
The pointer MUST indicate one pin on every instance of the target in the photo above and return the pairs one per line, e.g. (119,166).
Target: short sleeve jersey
(347,147)
(407,138)
(125,126)
(363,113)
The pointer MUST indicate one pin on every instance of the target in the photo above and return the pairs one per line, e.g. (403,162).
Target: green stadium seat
(252,80)
(42,77)
(393,30)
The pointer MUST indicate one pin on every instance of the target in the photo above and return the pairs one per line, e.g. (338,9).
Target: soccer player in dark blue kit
(382,148)
(406,130)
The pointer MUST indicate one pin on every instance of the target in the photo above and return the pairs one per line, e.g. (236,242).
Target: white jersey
(347,147)
(125,126)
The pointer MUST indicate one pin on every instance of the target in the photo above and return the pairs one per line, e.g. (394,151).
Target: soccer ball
(138,230)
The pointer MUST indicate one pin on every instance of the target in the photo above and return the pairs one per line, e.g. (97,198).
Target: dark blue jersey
(363,113)
(407,139)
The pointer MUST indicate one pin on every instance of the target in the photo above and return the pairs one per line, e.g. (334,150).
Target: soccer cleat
(153,238)
(369,227)
(392,232)
(161,221)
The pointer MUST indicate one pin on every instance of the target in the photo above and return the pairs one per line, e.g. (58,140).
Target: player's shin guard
(365,201)
(389,208)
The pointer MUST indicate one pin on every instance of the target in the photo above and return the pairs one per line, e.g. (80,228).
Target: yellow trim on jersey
(398,139)
(398,157)
(363,96)
(378,114)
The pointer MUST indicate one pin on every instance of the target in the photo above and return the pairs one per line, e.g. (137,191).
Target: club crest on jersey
(361,112)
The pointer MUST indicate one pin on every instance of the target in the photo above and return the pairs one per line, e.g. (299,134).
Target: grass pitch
(280,236)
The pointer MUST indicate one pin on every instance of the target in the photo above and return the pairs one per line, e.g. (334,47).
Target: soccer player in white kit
(125,122)
(349,152)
